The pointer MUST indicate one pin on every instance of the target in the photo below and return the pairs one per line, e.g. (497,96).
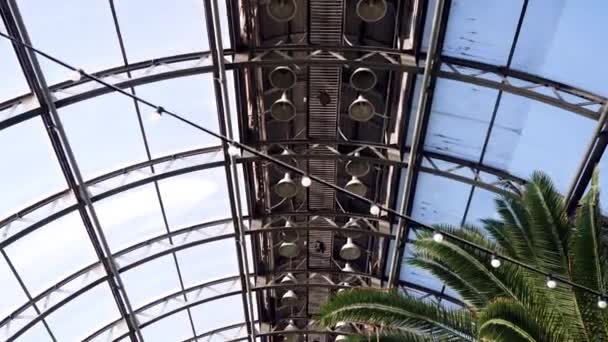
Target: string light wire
(294,169)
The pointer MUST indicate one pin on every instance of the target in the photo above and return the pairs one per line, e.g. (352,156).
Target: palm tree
(508,303)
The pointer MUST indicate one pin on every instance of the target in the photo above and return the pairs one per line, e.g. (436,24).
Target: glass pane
(104,133)
(12,294)
(35,255)
(131,216)
(481,30)
(93,309)
(459,120)
(482,207)
(208,261)
(560,40)
(26,149)
(218,313)
(10,70)
(173,328)
(155,28)
(80,33)
(603,169)
(151,280)
(195,197)
(37,333)
(529,135)
(190,97)
(439,200)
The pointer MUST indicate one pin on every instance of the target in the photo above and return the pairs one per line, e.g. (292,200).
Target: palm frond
(396,312)
(586,267)
(514,216)
(548,223)
(508,320)
(504,238)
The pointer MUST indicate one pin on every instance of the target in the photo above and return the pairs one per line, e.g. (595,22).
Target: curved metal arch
(6,240)
(187,305)
(487,75)
(85,279)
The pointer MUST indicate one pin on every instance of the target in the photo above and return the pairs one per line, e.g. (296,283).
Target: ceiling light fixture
(282,77)
(283,109)
(289,249)
(371,10)
(286,188)
(361,109)
(282,10)
(289,298)
(363,79)
(357,168)
(355,186)
(350,251)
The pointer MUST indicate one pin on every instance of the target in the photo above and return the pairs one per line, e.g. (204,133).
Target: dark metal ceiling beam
(425,100)
(50,117)
(593,154)
(456,69)
(225,125)
(22,214)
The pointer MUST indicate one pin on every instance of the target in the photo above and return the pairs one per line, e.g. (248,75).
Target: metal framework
(44,101)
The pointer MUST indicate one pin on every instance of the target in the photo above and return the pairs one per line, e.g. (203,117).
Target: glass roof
(159,188)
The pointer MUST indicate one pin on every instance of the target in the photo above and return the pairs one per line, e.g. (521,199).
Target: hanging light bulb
(348,268)
(306,181)
(361,109)
(289,298)
(438,237)
(371,10)
(357,168)
(76,75)
(289,249)
(363,79)
(233,151)
(290,233)
(355,186)
(340,290)
(602,303)
(282,77)
(289,278)
(283,109)
(551,283)
(286,188)
(341,338)
(157,114)
(282,10)
(374,210)
(352,224)
(495,262)
(291,326)
(350,251)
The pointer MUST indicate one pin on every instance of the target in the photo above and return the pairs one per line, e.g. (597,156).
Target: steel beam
(536,87)
(36,80)
(593,155)
(225,125)
(31,210)
(421,120)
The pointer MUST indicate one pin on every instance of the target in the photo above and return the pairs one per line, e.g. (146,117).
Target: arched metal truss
(44,100)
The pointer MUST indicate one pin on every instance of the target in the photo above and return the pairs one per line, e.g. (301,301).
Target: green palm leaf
(586,261)
(397,314)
